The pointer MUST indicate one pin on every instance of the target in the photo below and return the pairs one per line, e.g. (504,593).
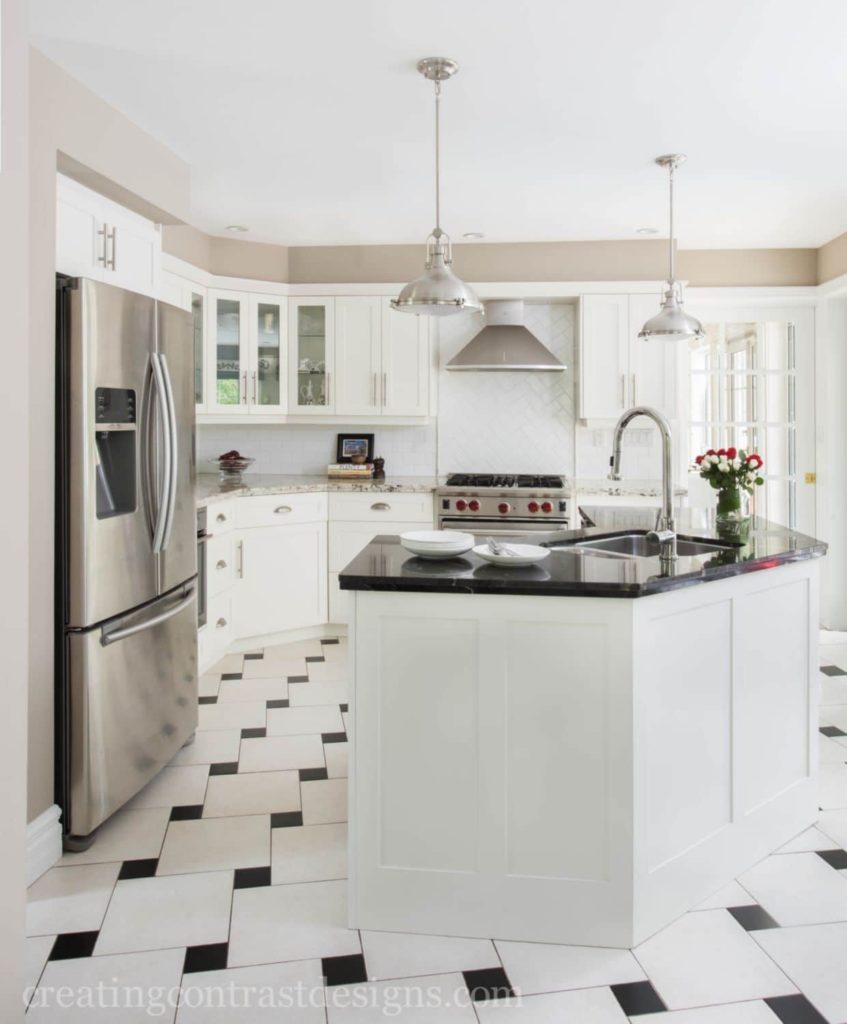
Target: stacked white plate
(437,543)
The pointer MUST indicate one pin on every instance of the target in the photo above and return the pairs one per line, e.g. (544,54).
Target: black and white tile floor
(224,880)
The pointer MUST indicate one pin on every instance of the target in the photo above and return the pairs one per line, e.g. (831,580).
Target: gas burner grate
(504,480)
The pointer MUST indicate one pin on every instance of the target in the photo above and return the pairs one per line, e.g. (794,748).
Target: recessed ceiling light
(473,235)
(646,231)
(236,227)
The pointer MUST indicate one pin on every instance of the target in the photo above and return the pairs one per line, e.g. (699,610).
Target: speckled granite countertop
(210,488)
(622,488)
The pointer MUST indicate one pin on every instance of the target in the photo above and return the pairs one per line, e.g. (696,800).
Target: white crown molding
(43,843)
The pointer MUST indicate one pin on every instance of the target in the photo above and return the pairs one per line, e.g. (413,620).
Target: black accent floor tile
(330,640)
(333,737)
(186,812)
(298,679)
(344,970)
(637,997)
(224,768)
(207,700)
(795,1010)
(343,707)
(835,858)
(206,958)
(318,657)
(72,945)
(138,868)
(286,819)
(251,878)
(832,670)
(282,703)
(752,918)
(232,675)
(832,730)
(488,983)
(253,657)
(313,774)
(253,734)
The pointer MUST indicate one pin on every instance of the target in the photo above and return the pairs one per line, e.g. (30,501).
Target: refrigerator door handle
(164,419)
(113,636)
(171,443)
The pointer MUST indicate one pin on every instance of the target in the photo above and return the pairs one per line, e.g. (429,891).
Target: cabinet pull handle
(221,622)
(281,509)
(381,506)
(385,389)
(220,518)
(623,389)
(373,391)
(244,385)
(241,559)
(221,564)
(255,389)
(634,399)
(113,237)
(327,400)
(104,234)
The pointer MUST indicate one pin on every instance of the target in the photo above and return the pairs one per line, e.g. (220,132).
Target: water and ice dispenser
(117,444)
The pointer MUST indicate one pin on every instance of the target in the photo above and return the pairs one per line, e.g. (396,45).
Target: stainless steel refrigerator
(126,602)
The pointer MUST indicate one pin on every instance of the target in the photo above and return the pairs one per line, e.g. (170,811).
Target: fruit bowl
(232,465)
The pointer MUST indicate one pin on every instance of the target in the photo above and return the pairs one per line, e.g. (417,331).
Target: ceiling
(307,122)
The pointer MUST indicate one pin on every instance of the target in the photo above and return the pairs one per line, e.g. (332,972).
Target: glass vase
(732,517)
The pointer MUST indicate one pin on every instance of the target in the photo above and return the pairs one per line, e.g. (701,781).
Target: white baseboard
(43,843)
(288,637)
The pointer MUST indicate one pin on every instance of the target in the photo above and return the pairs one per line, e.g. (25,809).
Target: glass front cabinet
(267,350)
(311,361)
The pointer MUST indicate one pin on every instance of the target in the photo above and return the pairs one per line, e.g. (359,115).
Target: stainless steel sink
(638,545)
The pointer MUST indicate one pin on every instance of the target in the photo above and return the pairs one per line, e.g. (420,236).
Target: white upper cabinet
(99,239)
(358,363)
(311,348)
(405,363)
(192,297)
(267,355)
(617,369)
(227,325)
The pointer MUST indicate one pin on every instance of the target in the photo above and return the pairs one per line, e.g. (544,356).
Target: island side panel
(725,681)
(492,778)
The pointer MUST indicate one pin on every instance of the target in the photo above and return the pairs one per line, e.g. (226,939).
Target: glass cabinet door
(228,391)
(198,323)
(312,351)
(267,351)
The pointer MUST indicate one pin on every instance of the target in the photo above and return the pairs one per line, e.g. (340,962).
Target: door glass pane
(311,356)
(228,354)
(267,372)
(197,324)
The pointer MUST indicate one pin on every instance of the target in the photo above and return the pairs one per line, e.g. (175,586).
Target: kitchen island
(582,750)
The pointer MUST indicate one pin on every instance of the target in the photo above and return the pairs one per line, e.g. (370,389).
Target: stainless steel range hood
(505,344)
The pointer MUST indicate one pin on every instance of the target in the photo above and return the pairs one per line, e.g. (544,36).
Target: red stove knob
(533,506)
(503,507)
(547,506)
(461,505)
(473,505)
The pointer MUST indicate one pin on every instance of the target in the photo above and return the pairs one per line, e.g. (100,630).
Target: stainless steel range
(498,504)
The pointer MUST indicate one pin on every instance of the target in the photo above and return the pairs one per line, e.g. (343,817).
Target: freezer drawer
(131,704)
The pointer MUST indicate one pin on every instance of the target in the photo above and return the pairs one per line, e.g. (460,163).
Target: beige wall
(751,268)
(14,422)
(75,129)
(832,259)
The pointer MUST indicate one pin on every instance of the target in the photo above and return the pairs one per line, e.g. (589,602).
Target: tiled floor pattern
(221,888)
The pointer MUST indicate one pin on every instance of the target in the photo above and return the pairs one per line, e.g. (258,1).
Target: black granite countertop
(571,571)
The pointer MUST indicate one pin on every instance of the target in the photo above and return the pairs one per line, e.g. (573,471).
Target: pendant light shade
(438,291)
(672,323)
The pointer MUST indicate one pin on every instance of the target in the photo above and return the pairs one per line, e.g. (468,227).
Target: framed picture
(355,446)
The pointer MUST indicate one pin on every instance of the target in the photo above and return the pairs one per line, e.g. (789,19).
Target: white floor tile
(252,793)
(157,913)
(798,888)
(834,825)
(345,717)
(215,844)
(211,747)
(587,1006)
(309,694)
(832,786)
(835,714)
(336,760)
(755,1012)
(273,688)
(37,950)
(127,835)
(814,958)
(707,957)
(301,721)
(310,853)
(732,895)
(290,922)
(140,982)
(245,989)
(278,753)
(173,787)
(811,839)
(440,999)
(70,899)
(333,671)
(298,649)
(276,668)
(229,663)
(246,714)
(833,690)
(396,955)
(208,685)
(830,751)
(324,801)
(541,967)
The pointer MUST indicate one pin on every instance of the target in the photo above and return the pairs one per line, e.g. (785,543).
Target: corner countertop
(623,488)
(574,572)
(210,488)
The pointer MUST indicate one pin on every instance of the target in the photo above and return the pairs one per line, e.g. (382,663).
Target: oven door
(492,526)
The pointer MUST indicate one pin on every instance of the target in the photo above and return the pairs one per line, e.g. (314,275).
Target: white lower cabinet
(216,636)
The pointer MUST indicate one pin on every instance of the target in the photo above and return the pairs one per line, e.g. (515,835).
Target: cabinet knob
(220,518)
(381,506)
(221,564)
(221,623)
(282,509)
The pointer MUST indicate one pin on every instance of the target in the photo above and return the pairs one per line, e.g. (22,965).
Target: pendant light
(438,292)
(672,323)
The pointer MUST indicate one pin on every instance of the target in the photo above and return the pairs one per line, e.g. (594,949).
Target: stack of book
(350,471)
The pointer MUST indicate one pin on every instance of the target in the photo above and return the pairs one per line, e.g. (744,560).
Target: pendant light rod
(671,161)
(437,70)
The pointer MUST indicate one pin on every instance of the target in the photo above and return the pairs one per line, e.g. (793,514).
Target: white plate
(522,554)
(437,538)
